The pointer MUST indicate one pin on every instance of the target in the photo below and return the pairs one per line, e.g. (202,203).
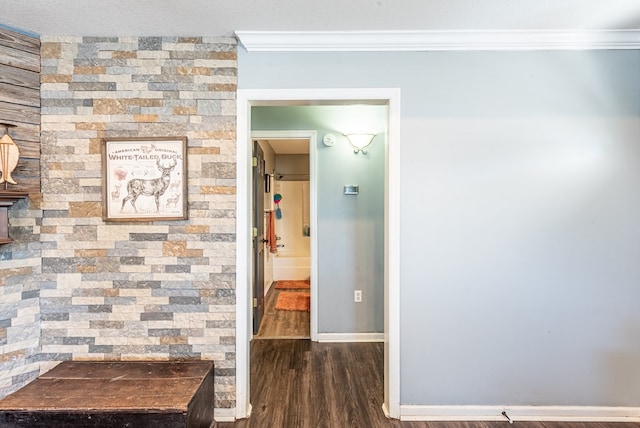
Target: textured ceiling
(223,17)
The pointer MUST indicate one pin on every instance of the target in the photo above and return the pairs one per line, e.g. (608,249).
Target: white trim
(445,40)
(313,249)
(312,136)
(268,287)
(249,97)
(392,261)
(350,337)
(243,256)
(224,415)
(520,413)
(385,411)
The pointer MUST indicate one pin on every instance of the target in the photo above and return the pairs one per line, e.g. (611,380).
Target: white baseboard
(385,411)
(350,337)
(520,413)
(268,287)
(224,415)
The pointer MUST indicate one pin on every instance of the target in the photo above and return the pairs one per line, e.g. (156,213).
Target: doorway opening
(376,96)
(288,268)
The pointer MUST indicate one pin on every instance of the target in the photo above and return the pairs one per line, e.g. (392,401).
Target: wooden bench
(115,394)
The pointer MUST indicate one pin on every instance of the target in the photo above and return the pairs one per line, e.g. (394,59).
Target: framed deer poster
(145,179)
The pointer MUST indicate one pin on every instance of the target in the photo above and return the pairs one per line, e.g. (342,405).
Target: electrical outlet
(357,296)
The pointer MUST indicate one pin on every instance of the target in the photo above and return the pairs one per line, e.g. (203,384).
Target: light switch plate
(351,189)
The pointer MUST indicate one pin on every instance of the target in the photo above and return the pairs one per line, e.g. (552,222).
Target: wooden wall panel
(19,59)
(14,94)
(17,113)
(20,103)
(19,77)
(19,41)
(25,132)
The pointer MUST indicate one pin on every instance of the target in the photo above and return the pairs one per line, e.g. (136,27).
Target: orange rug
(293,301)
(292,284)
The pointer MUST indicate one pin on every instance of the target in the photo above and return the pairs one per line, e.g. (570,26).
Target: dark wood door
(258,236)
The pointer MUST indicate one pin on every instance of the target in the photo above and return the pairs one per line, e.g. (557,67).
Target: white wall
(520,203)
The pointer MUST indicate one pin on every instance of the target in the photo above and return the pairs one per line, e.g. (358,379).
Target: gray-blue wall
(350,228)
(520,210)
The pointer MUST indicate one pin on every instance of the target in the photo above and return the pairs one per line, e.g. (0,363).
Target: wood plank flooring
(299,384)
(282,324)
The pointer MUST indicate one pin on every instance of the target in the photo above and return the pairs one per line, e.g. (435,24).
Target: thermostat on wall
(351,189)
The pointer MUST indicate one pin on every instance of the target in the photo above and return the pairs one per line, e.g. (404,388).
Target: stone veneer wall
(154,290)
(20,359)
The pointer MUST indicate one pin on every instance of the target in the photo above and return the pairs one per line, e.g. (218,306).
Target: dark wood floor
(282,324)
(299,383)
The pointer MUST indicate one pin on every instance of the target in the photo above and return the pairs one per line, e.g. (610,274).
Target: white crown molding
(482,40)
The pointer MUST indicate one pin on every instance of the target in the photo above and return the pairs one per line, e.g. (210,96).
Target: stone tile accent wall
(19,297)
(20,260)
(151,290)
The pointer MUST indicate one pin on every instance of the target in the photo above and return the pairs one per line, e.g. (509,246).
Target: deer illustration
(149,187)
(173,200)
(116,193)
(175,185)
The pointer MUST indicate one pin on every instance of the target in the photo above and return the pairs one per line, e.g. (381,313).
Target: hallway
(281,324)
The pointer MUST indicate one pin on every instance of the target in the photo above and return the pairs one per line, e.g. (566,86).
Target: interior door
(258,236)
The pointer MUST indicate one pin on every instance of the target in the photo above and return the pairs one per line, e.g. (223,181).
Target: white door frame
(265,97)
(312,136)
